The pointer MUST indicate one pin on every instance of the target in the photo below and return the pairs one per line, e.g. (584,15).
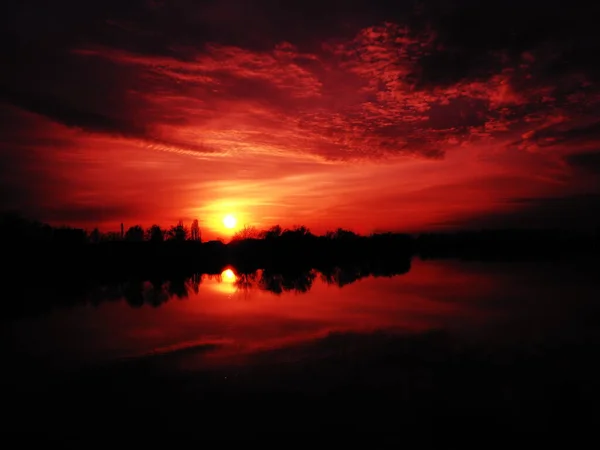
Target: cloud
(226,82)
(559,131)
(578,211)
(90,214)
(588,162)
(96,123)
(67,115)
(414,84)
(365,97)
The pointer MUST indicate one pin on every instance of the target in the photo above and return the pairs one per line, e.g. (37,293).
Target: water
(237,315)
(480,334)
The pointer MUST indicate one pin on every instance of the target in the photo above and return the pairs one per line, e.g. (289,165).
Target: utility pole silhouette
(122,231)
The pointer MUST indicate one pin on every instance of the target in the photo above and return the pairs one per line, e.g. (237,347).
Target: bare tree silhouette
(178,232)
(247,232)
(341,234)
(195,231)
(296,232)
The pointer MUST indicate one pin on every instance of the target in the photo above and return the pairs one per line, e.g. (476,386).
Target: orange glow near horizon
(401,195)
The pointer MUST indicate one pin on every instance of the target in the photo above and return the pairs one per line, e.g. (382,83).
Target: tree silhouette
(272,233)
(195,232)
(111,236)
(277,282)
(195,281)
(154,293)
(178,232)
(296,232)
(132,291)
(95,236)
(156,234)
(135,234)
(177,287)
(68,236)
(247,232)
(341,234)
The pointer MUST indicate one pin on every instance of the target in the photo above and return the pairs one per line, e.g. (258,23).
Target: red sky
(431,116)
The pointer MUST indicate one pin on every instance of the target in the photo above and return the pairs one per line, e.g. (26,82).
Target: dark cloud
(560,132)
(411,79)
(581,211)
(587,162)
(457,113)
(90,214)
(478,38)
(68,115)
(65,114)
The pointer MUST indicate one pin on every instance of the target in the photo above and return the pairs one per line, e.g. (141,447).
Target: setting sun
(229,221)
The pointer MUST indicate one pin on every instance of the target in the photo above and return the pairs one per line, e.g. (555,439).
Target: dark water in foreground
(511,345)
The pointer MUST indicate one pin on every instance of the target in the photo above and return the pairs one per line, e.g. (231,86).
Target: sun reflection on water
(224,283)
(228,276)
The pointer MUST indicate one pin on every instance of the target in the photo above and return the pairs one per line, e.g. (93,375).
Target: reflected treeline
(38,294)
(138,293)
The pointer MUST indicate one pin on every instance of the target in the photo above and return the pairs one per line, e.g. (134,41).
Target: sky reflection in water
(235,315)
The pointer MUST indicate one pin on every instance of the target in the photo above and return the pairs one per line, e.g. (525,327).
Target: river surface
(231,316)
(444,343)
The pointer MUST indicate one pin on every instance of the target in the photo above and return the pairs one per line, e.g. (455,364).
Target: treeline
(156,250)
(22,230)
(179,248)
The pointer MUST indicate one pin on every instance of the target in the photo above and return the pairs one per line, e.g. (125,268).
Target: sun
(229,221)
